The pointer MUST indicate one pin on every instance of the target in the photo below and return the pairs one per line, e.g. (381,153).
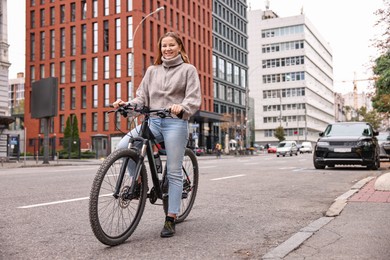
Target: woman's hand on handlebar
(176,109)
(118,103)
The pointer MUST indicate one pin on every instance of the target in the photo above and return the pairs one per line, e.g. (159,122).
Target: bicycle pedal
(184,195)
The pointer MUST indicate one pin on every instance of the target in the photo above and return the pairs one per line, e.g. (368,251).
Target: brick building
(88,45)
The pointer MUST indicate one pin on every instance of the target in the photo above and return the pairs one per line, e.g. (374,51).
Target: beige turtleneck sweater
(172,82)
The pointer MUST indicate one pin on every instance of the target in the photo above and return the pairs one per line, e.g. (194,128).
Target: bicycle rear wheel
(190,186)
(114,218)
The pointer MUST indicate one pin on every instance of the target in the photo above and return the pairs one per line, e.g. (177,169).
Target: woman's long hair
(177,38)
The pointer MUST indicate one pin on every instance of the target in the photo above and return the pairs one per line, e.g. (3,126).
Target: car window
(348,130)
(281,144)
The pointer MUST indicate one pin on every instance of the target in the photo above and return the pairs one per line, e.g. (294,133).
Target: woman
(170,83)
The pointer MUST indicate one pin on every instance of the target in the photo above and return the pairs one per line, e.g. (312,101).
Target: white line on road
(228,177)
(52,203)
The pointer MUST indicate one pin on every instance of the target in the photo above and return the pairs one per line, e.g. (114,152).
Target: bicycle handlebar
(162,112)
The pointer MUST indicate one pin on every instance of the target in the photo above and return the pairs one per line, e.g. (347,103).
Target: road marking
(58,202)
(52,203)
(228,177)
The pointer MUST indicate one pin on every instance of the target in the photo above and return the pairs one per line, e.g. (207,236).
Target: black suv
(347,143)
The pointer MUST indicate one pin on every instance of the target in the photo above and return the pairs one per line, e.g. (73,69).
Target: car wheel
(376,165)
(319,166)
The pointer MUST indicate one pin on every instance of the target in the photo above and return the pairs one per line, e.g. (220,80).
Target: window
(42,71)
(62,99)
(130,32)
(117,90)
(72,71)
(95,96)
(62,123)
(106,36)
(95,68)
(62,14)
(83,70)
(94,121)
(73,12)
(129,90)
(42,47)
(106,95)
(106,67)
(83,10)
(94,8)
(62,42)
(83,122)
(106,7)
(129,64)
(117,34)
(32,19)
(32,74)
(83,38)
(73,40)
(52,44)
(32,46)
(117,6)
(52,16)
(62,72)
(72,98)
(42,20)
(106,121)
(118,66)
(95,36)
(52,70)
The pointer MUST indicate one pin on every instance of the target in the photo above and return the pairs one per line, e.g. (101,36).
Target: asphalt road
(245,207)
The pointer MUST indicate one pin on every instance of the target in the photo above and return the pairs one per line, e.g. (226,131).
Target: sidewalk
(356,226)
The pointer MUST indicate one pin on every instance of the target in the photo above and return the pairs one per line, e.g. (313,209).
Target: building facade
(290,77)
(90,46)
(230,70)
(5,118)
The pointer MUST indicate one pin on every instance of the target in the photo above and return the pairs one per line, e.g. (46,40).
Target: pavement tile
(369,194)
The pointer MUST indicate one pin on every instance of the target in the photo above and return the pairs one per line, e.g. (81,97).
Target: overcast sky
(348,26)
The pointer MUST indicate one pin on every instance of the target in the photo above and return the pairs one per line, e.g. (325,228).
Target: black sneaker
(168,229)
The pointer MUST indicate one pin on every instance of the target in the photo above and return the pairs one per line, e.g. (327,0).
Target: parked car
(271,149)
(306,147)
(347,143)
(287,147)
(384,145)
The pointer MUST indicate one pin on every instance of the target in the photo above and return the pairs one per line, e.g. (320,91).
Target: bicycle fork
(124,166)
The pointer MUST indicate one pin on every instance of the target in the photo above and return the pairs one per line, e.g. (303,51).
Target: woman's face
(169,48)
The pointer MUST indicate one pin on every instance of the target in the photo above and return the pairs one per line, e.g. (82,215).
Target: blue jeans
(174,133)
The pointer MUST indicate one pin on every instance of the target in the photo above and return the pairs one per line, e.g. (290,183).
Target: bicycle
(118,196)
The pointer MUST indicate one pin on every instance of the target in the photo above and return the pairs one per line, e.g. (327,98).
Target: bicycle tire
(113,220)
(190,166)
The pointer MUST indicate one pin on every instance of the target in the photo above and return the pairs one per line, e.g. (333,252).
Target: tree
(381,98)
(67,134)
(75,135)
(71,134)
(279,133)
(372,117)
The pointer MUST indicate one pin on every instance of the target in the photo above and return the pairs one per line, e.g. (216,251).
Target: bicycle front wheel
(190,171)
(114,218)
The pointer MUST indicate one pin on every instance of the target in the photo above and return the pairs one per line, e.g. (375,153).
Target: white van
(306,147)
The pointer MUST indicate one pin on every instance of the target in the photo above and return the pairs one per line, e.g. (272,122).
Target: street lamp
(132,50)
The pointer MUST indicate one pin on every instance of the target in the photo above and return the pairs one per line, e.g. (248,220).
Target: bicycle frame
(147,139)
